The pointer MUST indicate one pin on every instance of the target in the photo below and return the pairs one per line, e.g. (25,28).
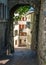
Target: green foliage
(21,10)
(16,18)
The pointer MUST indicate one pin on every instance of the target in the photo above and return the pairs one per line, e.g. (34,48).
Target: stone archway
(13,5)
(42,33)
(42,23)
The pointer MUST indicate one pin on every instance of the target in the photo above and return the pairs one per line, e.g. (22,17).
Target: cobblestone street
(20,57)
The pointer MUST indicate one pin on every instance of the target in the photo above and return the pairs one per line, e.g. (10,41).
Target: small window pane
(16,32)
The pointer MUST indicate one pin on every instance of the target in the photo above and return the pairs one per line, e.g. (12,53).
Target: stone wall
(42,34)
(3,25)
(13,3)
(33,45)
(2,35)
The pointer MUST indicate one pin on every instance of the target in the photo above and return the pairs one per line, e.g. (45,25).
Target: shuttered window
(1,11)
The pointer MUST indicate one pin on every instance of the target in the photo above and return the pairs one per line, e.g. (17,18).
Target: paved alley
(21,56)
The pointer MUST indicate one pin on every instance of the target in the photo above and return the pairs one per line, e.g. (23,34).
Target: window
(15,42)
(21,26)
(5,12)
(25,40)
(16,32)
(1,11)
(28,24)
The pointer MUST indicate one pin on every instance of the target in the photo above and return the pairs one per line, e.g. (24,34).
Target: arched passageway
(24,52)
(6,27)
(35,26)
(27,56)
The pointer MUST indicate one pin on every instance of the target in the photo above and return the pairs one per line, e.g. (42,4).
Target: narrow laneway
(21,56)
